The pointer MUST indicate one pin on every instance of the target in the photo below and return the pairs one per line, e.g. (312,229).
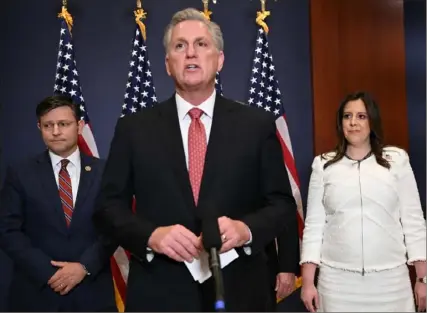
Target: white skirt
(383,291)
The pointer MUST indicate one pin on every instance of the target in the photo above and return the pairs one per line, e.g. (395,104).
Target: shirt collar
(74,158)
(183,106)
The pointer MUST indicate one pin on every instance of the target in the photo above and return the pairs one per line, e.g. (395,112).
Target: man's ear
(220,61)
(80,125)
(167,65)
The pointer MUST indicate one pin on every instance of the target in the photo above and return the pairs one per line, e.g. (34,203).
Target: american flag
(67,83)
(140,91)
(264,93)
(218,84)
(140,94)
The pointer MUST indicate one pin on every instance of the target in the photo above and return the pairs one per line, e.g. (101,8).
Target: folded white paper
(200,270)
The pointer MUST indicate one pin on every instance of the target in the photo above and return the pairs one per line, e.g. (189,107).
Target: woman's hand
(420,296)
(310,297)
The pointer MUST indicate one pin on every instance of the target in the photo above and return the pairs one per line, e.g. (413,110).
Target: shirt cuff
(250,238)
(150,254)
(246,248)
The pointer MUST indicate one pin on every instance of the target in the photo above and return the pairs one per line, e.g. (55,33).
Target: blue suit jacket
(33,232)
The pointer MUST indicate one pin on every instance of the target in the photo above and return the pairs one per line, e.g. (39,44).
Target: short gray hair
(191,14)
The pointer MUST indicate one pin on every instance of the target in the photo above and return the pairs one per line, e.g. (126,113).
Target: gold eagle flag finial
(261,16)
(140,15)
(66,15)
(206,11)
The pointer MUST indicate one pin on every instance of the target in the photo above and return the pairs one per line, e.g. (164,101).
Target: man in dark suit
(162,157)
(46,208)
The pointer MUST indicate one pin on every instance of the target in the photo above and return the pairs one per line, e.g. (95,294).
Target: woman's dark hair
(50,103)
(376,135)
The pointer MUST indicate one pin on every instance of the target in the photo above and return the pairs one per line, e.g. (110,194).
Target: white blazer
(363,217)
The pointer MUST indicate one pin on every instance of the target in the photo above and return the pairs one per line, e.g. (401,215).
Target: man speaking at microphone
(193,152)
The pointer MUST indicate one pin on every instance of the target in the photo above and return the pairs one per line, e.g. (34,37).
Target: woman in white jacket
(364,221)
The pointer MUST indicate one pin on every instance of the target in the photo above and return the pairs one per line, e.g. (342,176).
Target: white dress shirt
(73,168)
(363,217)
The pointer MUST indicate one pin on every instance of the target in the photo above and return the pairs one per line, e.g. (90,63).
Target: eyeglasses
(61,125)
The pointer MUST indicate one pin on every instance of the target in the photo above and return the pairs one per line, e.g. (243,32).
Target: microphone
(211,239)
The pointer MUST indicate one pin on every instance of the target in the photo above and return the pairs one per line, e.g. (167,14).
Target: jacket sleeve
(13,240)
(96,257)
(113,217)
(411,214)
(315,216)
(289,250)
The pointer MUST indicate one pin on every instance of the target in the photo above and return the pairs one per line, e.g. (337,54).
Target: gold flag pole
(214,1)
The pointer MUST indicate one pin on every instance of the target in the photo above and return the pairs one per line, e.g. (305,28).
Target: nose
(56,130)
(191,52)
(353,121)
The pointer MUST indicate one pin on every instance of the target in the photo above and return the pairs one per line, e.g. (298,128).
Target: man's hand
(177,242)
(66,277)
(285,284)
(233,233)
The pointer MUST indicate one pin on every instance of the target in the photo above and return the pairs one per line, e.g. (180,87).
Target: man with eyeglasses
(46,229)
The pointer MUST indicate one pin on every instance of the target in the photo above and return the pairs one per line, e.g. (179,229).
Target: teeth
(191,66)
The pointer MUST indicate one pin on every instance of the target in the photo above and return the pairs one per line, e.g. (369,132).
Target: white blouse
(362,216)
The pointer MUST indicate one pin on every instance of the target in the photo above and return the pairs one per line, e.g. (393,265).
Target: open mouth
(192,67)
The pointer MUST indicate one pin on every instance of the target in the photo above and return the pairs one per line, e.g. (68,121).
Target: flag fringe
(298,284)
(119,302)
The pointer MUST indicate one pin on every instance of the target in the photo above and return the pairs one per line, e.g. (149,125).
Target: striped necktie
(66,191)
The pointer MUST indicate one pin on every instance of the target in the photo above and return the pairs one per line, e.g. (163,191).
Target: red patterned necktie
(66,191)
(196,151)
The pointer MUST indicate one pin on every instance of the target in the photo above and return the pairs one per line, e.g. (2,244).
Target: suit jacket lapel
(50,190)
(87,174)
(175,150)
(218,136)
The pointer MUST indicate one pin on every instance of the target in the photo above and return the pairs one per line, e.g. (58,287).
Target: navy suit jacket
(33,232)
